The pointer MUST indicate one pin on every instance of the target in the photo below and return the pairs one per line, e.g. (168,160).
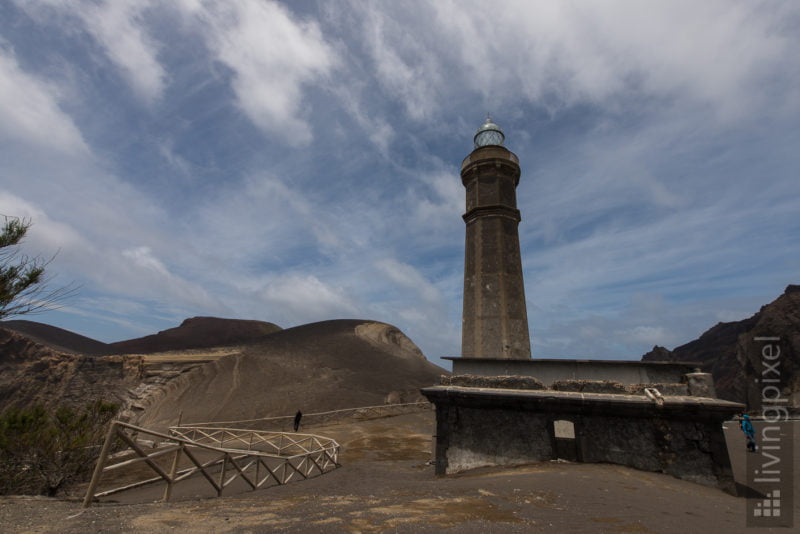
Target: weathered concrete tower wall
(495,319)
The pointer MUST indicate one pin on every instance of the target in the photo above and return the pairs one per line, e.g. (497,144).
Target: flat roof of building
(577,400)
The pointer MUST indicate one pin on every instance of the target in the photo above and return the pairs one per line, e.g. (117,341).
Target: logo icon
(769,507)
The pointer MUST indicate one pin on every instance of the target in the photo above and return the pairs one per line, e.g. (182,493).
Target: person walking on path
(297,417)
(749,431)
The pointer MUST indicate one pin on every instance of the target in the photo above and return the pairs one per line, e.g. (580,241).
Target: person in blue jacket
(749,431)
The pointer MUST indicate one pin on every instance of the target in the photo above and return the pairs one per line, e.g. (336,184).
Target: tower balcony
(489,152)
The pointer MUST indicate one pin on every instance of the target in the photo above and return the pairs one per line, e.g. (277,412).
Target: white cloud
(116,25)
(261,219)
(140,267)
(143,257)
(379,131)
(46,236)
(445,207)
(272,56)
(30,112)
(410,278)
(717,54)
(401,59)
(134,271)
(306,298)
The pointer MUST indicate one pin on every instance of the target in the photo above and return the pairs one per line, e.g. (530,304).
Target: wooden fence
(321,418)
(220,455)
(224,452)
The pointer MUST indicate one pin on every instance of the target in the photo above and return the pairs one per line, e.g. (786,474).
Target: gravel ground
(387,485)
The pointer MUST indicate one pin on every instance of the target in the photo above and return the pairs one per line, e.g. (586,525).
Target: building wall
(477,427)
(677,445)
(475,437)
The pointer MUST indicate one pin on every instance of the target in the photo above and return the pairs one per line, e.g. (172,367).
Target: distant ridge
(193,333)
(197,333)
(57,338)
(730,352)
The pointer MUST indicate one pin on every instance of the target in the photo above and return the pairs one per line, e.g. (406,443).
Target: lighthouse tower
(495,319)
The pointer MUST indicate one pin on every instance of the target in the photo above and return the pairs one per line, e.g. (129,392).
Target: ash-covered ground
(385,484)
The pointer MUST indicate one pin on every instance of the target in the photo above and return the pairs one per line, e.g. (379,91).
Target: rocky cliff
(32,373)
(734,352)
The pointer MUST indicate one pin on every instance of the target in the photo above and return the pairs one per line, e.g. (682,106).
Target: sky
(297,162)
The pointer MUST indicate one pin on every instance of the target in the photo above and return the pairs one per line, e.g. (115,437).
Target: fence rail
(321,418)
(223,452)
(220,455)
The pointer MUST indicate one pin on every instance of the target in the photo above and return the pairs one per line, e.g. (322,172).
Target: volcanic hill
(197,333)
(193,333)
(315,367)
(730,352)
(56,338)
(214,369)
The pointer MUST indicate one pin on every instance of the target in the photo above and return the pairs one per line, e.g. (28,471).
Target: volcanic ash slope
(315,367)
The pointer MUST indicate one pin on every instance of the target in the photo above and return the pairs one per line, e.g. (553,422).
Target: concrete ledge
(626,372)
(574,401)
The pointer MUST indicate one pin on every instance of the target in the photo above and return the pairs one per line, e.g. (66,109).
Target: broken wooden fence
(220,455)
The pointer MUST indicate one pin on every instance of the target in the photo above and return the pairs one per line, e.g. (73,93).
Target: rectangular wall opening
(566,444)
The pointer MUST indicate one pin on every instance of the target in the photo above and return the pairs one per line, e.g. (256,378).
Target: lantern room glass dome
(489,134)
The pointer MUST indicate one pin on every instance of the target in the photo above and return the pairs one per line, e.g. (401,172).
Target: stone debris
(502,382)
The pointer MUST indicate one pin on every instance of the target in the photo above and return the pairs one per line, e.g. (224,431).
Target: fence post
(168,489)
(222,475)
(101,461)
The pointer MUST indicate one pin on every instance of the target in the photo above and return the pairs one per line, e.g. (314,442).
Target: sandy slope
(316,367)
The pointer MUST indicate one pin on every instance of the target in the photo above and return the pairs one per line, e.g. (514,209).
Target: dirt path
(386,485)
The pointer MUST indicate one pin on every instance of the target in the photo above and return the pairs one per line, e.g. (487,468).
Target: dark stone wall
(683,437)
(683,447)
(513,438)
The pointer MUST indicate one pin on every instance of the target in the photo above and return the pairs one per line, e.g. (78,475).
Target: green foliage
(44,452)
(22,280)
(13,232)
